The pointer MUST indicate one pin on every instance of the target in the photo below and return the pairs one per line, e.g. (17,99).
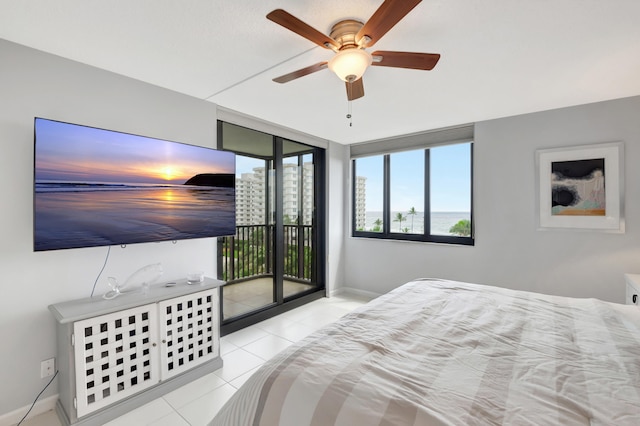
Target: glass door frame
(318,274)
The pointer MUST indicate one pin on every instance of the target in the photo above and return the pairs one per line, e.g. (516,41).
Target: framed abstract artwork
(581,187)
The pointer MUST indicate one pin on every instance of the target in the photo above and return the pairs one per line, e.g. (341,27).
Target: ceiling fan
(350,38)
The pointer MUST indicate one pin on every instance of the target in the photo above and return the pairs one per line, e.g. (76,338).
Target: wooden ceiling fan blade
(303,29)
(383,19)
(413,60)
(355,89)
(301,72)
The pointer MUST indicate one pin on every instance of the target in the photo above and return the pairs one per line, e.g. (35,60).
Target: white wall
(32,84)
(337,203)
(510,251)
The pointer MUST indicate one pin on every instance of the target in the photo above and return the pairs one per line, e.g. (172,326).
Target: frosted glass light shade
(350,64)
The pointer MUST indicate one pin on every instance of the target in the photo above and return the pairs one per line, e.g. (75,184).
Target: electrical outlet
(47,368)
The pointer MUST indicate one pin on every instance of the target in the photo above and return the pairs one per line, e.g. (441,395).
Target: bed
(436,352)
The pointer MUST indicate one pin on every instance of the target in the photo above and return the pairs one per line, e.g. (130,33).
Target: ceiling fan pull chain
(349,114)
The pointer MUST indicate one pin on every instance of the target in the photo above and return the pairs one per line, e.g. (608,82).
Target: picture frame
(581,187)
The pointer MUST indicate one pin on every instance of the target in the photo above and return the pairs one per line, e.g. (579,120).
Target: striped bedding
(436,352)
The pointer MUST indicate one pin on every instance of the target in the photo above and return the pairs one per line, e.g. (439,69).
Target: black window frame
(427,237)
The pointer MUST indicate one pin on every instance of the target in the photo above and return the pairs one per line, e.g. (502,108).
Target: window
(419,195)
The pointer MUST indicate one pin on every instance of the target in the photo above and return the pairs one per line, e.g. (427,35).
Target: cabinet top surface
(633,279)
(76,310)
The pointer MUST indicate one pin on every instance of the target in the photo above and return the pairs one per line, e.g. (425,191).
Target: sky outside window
(407,191)
(450,178)
(372,170)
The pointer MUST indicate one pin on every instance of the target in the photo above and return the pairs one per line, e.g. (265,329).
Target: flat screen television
(96,187)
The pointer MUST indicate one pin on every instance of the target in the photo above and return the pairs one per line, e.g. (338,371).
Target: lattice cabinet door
(188,331)
(115,356)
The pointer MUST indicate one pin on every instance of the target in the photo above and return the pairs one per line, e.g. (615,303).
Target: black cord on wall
(34,401)
(100,273)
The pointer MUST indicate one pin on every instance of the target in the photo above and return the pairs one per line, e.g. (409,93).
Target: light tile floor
(196,403)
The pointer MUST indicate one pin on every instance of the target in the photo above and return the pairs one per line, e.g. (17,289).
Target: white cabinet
(189,332)
(633,289)
(114,355)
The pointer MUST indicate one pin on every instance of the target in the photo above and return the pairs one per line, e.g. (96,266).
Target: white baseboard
(354,292)
(42,406)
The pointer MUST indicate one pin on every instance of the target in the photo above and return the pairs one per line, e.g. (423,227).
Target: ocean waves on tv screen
(52,186)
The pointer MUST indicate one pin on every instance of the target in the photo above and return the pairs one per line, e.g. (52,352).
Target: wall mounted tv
(95,187)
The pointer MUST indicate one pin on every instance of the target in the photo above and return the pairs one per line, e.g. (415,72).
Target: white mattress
(436,352)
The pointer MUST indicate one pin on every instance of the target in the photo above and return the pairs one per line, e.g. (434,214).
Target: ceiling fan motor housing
(344,32)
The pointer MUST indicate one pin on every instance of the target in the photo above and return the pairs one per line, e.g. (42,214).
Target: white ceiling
(499,57)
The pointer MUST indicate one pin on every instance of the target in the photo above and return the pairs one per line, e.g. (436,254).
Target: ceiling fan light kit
(350,64)
(349,39)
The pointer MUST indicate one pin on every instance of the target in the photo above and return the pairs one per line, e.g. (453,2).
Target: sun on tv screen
(96,187)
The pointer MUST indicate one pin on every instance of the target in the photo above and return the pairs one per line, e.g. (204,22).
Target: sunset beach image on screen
(96,187)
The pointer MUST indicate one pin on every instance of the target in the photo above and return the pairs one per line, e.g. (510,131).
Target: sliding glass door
(272,262)
(298,244)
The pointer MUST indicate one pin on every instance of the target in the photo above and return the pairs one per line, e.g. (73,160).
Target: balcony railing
(249,253)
